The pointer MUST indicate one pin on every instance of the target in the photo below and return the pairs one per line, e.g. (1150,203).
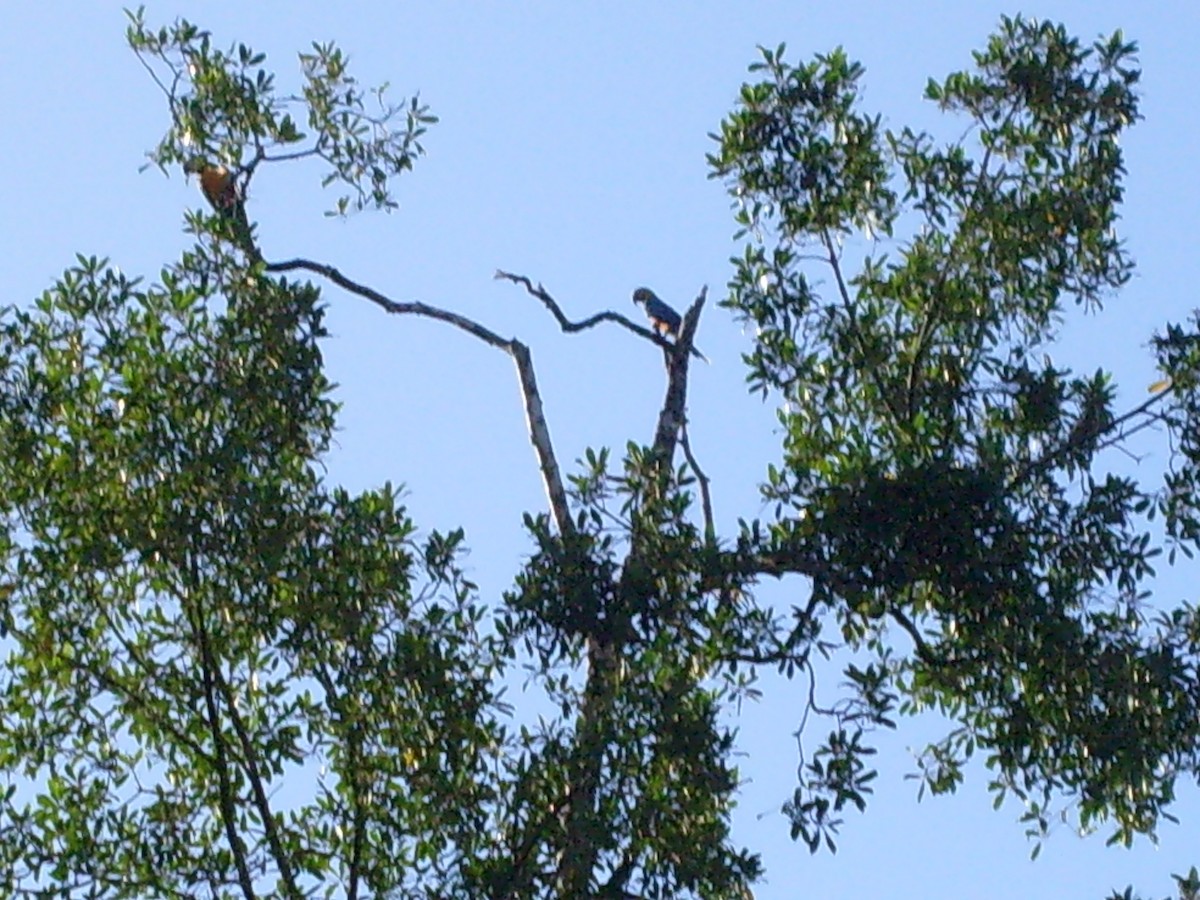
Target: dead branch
(393,306)
(568,326)
(710,529)
(539,430)
(672,417)
(539,435)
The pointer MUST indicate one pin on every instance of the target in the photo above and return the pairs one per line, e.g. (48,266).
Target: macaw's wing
(221,189)
(663,317)
(218,186)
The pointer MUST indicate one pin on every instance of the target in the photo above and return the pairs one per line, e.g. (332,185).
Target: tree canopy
(228,676)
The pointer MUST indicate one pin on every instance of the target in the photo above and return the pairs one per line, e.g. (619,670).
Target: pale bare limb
(672,417)
(393,306)
(539,435)
(539,431)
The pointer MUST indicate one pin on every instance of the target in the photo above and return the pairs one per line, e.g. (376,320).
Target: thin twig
(568,326)
(710,530)
(170,94)
(283,157)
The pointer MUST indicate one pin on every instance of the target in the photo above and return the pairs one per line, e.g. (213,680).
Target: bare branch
(169,93)
(1112,434)
(393,306)
(539,431)
(673,415)
(539,435)
(296,154)
(568,326)
(710,530)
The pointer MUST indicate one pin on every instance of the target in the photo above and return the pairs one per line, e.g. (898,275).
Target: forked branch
(539,430)
(590,322)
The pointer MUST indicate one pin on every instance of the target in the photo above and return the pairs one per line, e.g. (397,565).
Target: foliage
(946,472)
(227,677)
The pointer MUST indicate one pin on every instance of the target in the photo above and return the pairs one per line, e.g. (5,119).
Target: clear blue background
(571,149)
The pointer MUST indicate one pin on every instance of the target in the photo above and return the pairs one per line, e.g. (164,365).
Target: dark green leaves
(942,479)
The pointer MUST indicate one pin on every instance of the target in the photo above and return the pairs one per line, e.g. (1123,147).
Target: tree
(194,617)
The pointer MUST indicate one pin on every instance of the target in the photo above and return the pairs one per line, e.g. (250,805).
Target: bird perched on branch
(221,189)
(663,318)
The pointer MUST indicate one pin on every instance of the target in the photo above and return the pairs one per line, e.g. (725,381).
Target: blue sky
(571,149)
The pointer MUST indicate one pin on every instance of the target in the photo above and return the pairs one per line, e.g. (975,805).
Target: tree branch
(591,321)
(254,776)
(848,305)
(919,643)
(539,435)
(580,850)
(673,415)
(227,801)
(1114,431)
(566,324)
(539,431)
(392,306)
(710,529)
(934,307)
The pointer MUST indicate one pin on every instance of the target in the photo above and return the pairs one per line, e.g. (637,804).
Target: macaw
(220,188)
(663,318)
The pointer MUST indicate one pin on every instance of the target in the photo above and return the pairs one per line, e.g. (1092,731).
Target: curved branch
(591,321)
(535,417)
(919,643)
(392,306)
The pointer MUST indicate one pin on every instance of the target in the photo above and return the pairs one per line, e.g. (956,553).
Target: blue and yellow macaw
(663,318)
(220,188)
